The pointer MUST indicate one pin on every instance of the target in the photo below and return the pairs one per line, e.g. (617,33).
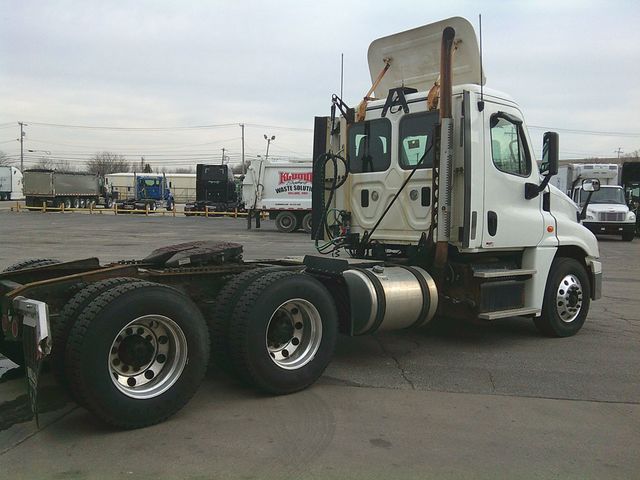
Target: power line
(110,127)
(587,132)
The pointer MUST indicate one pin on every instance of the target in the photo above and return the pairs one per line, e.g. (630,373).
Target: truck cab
(508,235)
(150,192)
(216,189)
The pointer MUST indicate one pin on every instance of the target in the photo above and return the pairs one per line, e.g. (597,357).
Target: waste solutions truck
(10,183)
(430,194)
(608,212)
(68,189)
(282,188)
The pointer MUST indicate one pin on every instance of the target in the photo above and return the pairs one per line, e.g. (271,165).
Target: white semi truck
(283,189)
(608,212)
(10,183)
(427,204)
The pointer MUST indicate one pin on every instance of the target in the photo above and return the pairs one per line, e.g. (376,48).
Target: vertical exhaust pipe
(445,162)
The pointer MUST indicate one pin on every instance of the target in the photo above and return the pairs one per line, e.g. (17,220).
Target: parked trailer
(68,189)
(470,232)
(10,183)
(281,188)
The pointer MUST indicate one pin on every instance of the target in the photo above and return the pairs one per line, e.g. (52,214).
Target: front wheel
(567,298)
(137,353)
(284,332)
(628,236)
(306,223)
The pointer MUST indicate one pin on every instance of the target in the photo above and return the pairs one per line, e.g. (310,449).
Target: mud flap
(36,343)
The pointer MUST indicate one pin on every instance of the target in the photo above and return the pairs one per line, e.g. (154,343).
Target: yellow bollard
(90,208)
(206,211)
(44,207)
(146,208)
(235,212)
(18,206)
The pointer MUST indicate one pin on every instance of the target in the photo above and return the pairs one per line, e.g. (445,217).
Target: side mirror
(591,185)
(550,153)
(548,166)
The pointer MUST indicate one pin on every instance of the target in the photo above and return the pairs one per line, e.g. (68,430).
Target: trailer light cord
(335,184)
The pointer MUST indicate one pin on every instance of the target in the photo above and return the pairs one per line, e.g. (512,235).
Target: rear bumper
(610,228)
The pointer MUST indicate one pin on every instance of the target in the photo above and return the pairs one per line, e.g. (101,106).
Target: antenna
(341,73)
(481,102)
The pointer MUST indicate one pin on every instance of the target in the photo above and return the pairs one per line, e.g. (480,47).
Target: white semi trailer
(10,183)
(430,194)
(283,189)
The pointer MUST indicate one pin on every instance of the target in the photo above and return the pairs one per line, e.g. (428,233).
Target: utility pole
(22,145)
(618,151)
(222,161)
(243,169)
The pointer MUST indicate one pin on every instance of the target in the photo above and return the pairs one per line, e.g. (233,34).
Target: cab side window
(508,148)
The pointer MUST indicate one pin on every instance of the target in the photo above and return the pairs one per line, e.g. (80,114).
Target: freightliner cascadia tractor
(428,205)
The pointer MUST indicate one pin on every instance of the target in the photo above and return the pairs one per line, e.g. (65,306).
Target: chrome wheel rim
(147,356)
(286,221)
(569,298)
(294,333)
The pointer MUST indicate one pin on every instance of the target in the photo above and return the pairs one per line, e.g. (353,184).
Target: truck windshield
(215,172)
(604,195)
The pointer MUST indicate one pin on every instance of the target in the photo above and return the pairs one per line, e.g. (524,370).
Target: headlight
(631,217)
(590,216)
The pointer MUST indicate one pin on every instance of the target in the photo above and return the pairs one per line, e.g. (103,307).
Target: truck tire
(284,332)
(64,322)
(31,263)
(306,223)
(137,354)
(67,203)
(628,236)
(567,297)
(220,314)
(76,202)
(286,222)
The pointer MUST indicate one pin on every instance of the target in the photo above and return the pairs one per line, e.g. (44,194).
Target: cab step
(514,312)
(502,272)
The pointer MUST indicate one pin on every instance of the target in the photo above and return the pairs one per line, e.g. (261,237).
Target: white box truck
(283,189)
(10,183)
(608,212)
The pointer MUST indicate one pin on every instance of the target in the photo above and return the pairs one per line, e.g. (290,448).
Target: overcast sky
(162,64)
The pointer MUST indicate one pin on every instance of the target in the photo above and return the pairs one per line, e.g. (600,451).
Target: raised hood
(415,57)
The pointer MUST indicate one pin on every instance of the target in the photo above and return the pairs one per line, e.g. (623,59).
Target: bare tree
(4,158)
(183,170)
(107,162)
(61,165)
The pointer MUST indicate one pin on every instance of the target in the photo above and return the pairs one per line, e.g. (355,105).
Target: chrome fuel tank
(390,298)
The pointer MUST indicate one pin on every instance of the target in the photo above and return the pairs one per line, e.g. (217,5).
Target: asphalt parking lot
(464,401)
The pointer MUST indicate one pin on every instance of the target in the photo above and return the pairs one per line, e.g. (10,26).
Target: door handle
(492,222)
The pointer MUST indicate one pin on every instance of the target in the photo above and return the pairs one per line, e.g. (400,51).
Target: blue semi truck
(150,192)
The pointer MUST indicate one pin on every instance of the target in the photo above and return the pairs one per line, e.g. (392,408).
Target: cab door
(510,220)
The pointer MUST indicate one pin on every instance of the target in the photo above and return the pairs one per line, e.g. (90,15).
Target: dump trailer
(282,188)
(608,212)
(215,190)
(10,183)
(150,192)
(68,189)
(428,205)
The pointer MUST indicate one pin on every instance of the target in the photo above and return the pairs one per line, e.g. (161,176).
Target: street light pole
(269,140)
(243,169)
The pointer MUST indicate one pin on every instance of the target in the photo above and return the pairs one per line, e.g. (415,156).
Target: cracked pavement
(459,401)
